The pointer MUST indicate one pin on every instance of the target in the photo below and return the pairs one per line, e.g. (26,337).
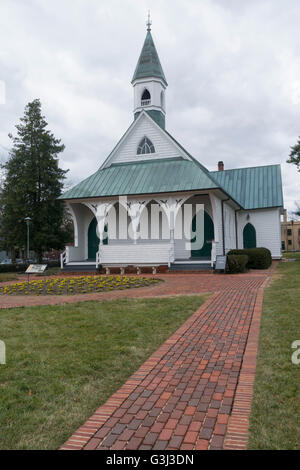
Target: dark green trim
(93,239)
(209,235)
(249,236)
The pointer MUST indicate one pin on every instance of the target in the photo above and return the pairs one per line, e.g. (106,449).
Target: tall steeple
(149,81)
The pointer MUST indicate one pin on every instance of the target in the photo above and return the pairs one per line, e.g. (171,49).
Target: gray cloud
(232,66)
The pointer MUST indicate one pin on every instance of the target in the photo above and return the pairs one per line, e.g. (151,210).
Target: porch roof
(147,177)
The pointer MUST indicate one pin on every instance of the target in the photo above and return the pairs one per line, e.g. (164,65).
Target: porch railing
(213,253)
(135,254)
(98,258)
(65,257)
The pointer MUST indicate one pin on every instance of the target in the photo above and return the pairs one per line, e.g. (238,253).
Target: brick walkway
(194,392)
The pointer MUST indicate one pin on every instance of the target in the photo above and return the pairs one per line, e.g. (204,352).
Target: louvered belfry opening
(146,98)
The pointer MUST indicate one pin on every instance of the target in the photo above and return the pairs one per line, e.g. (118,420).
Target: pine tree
(33,182)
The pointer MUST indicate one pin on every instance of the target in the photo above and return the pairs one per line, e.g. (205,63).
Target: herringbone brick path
(185,394)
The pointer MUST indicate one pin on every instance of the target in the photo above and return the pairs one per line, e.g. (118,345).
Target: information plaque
(36,269)
(221,262)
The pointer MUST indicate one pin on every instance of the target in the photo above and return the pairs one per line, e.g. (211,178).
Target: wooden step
(76,268)
(190,267)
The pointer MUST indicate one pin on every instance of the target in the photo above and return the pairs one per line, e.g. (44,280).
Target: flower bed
(75,285)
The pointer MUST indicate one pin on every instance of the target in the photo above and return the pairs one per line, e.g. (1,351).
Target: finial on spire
(149,22)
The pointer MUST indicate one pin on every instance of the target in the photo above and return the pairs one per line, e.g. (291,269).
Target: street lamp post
(28,220)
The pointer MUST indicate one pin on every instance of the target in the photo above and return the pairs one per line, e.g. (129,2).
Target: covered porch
(180,232)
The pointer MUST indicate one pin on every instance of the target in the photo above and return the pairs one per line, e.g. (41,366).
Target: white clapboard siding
(229,227)
(267,225)
(218,225)
(131,254)
(75,253)
(127,152)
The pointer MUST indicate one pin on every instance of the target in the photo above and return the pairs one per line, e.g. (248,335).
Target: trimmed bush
(259,258)
(52,263)
(13,268)
(237,263)
(21,268)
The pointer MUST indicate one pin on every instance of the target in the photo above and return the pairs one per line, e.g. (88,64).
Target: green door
(205,251)
(249,236)
(93,239)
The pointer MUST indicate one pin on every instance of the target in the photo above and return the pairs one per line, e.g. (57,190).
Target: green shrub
(52,263)
(21,268)
(13,268)
(259,258)
(237,263)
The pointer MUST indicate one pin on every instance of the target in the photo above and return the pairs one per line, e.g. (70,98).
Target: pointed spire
(149,22)
(149,64)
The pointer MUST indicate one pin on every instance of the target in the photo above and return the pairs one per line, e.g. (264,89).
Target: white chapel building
(152,203)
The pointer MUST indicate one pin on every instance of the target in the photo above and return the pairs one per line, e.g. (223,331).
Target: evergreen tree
(33,182)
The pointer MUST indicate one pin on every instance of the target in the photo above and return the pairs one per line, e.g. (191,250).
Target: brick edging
(236,437)
(83,437)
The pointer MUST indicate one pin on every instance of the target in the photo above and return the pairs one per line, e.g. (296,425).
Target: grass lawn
(291,254)
(275,416)
(52,271)
(64,361)
(5,277)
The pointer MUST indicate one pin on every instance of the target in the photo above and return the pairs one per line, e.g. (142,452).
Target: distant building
(290,234)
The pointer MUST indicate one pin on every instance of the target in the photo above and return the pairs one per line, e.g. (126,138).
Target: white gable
(144,126)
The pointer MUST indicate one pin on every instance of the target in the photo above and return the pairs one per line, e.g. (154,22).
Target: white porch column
(100,211)
(134,208)
(75,222)
(171,206)
(217,220)
(80,214)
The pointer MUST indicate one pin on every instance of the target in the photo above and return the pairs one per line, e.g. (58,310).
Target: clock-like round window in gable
(145,146)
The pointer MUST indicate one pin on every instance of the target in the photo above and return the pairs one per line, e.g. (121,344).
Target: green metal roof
(254,187)
(149,64)
(251,188)
(156,176)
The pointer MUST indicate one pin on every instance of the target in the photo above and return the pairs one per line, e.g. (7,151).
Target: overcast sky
(233,69)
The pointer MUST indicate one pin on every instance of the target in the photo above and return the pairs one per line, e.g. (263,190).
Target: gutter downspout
(223,228)
(236,228)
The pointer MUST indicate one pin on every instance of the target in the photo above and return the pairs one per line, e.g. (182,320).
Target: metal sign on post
(36,269)
(221,262)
